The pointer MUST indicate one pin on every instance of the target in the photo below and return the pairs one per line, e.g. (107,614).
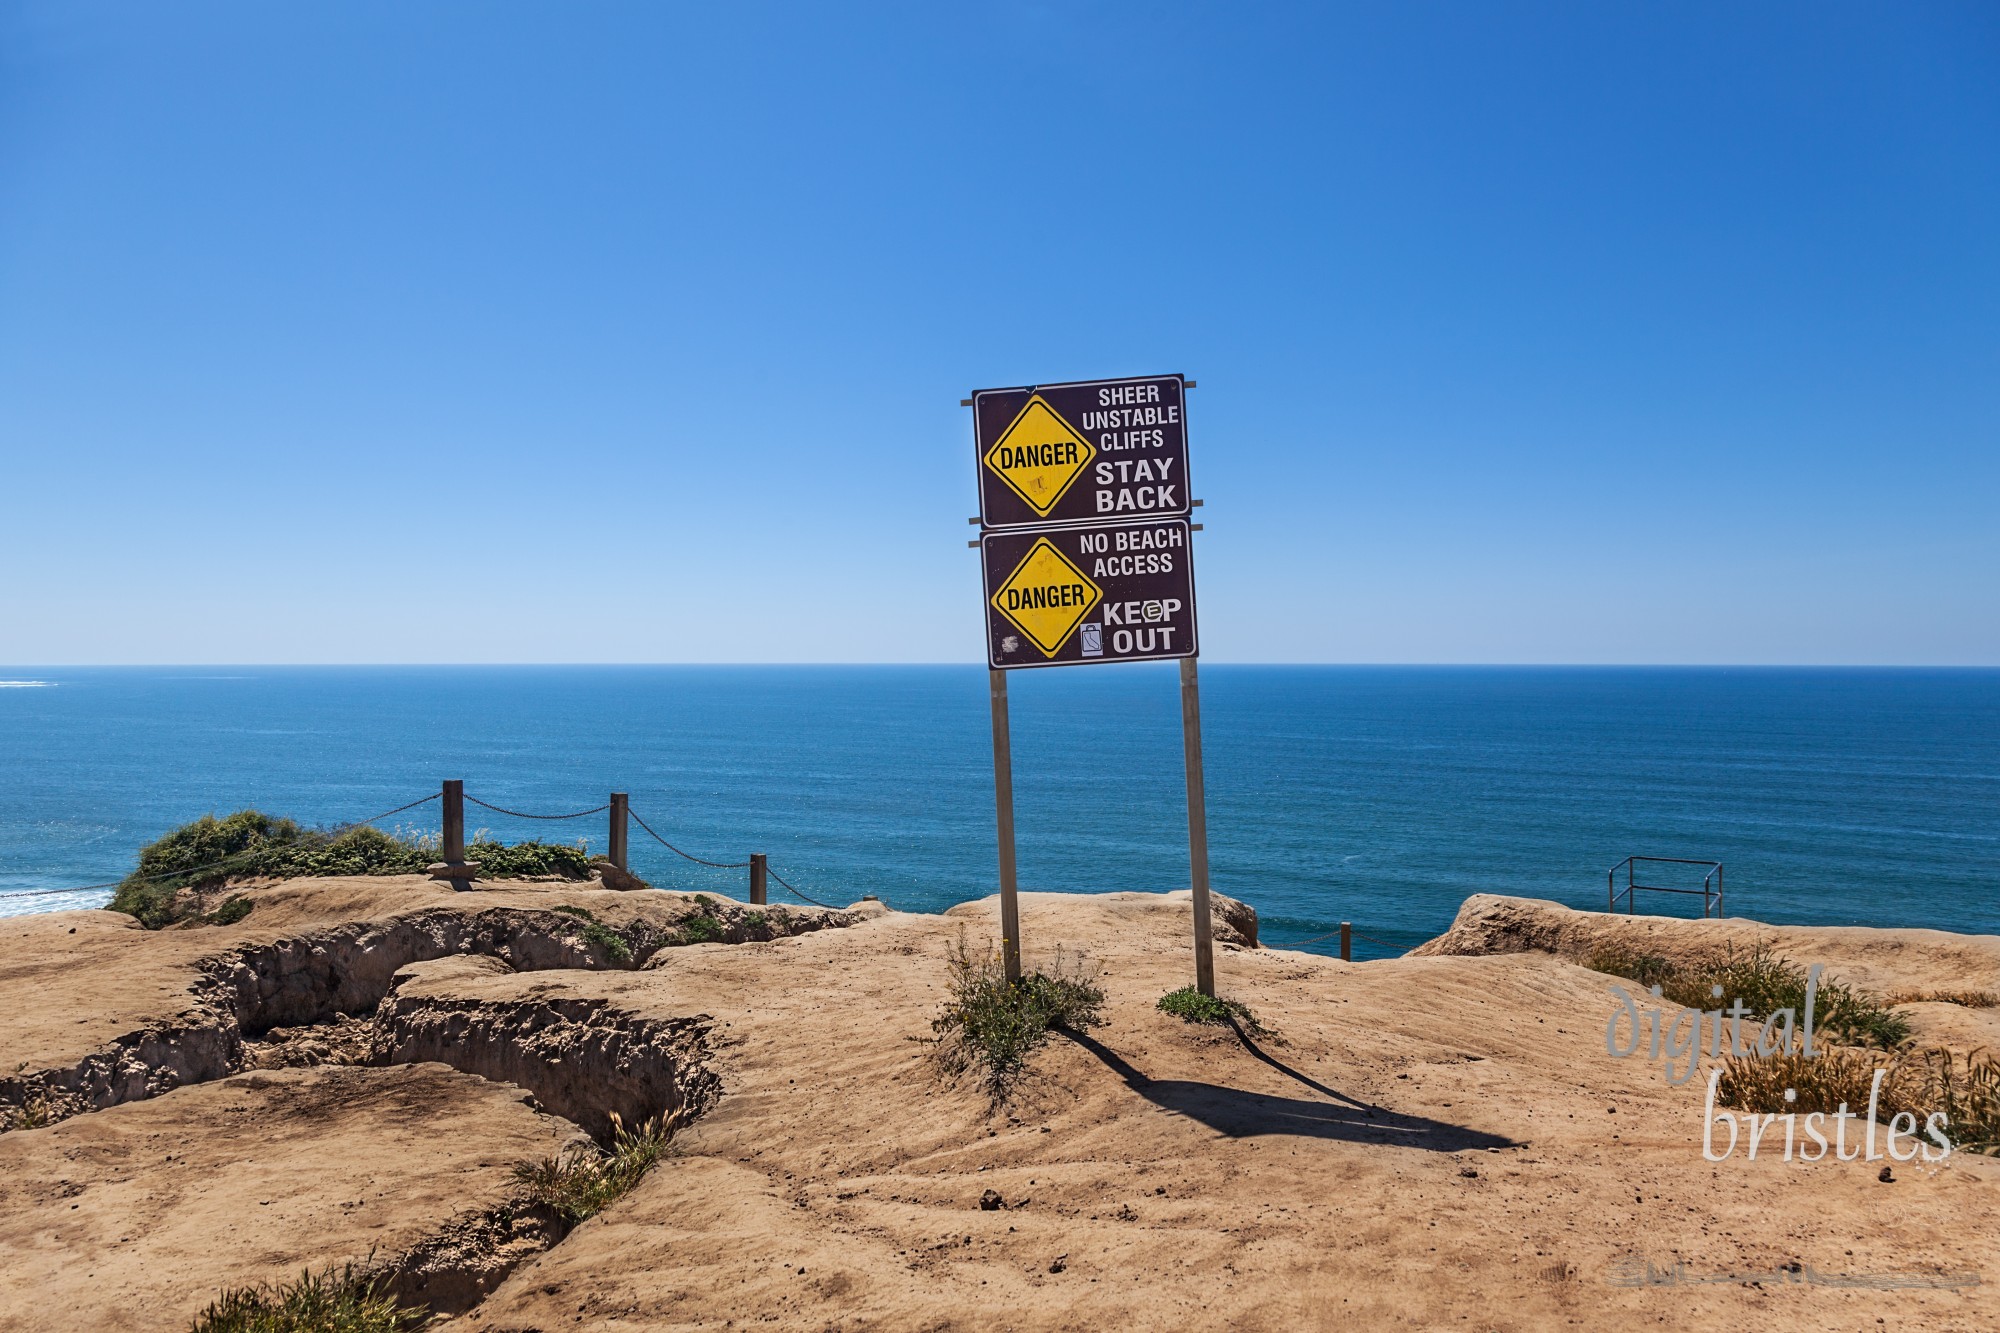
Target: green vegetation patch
(329,1302)
(605,940)
(234,908)
(585,1179)
(994,1026)
(249,844)
(526,860)
(701,928)
(1766,982)
(1191,1006)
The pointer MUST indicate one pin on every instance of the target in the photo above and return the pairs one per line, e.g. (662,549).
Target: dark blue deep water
(1378,795)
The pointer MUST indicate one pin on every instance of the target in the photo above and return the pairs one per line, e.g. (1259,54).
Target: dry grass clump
(1966,1089)
(1970,999)
(328,1302)
(992,1025)
(1823,1081)
(583,1180)
(1766,981)
(35,1113)
(1968,1092)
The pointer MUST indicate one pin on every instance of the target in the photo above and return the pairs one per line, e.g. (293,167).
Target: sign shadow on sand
(1330,1115)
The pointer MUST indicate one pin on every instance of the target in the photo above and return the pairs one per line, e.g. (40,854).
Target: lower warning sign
(1114,593)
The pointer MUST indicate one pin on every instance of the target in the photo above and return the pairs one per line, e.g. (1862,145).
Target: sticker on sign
(1085,452)
(1109,593)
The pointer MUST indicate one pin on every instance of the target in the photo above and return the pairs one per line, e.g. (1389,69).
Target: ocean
(1377,795)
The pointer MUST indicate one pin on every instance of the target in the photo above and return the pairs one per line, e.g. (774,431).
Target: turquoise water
(1378,795)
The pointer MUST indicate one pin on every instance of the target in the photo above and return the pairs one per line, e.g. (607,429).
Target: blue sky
(496,332)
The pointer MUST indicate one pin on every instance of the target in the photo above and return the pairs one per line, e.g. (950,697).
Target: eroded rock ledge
(348,969)
(581,1058)
(1874,958)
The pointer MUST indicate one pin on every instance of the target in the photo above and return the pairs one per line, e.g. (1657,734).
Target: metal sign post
(1197,801)
(1086,557)
(1003,812)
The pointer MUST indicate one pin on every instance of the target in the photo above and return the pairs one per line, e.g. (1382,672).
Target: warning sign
(1046,596)
(1039,455)
(1108,593)
(1087,452)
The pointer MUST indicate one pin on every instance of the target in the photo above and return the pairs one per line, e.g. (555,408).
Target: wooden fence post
(758,871)
(620,802)
(1347,941)
(454,821)
(455,868)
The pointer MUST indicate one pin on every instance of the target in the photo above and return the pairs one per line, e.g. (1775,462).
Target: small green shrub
(993,1026)
(756,923)
(585,1179)
(609,941)
(1191,1006)
(152,904)
(234,908)
(329,1302)
(701,928)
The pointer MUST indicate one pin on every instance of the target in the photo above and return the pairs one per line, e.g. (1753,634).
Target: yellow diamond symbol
(1046,596)
(1040,455)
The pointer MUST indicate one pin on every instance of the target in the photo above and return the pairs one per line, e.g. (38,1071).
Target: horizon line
(1427,666)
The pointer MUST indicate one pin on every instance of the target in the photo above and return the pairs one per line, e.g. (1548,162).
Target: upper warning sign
(1082,453)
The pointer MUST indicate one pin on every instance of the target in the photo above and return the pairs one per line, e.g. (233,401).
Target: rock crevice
(581,1059)
(348,969)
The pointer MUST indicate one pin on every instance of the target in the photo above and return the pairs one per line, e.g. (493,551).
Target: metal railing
(1710,891)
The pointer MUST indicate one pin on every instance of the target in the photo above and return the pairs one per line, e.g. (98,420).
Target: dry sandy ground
(1431,1142)
(131,1218)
